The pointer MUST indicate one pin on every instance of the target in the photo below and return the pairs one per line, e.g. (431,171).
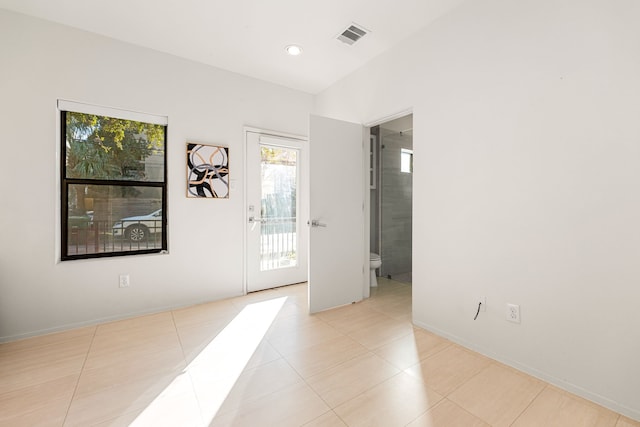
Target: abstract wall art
(207,171)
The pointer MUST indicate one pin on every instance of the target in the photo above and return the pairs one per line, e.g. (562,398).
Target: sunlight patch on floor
(222,361)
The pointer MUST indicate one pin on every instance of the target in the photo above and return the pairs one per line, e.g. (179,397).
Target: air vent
(352,34)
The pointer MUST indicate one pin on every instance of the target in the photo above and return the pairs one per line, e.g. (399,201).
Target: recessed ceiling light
(293,50)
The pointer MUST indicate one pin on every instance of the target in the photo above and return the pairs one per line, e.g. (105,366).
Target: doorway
(329,227)
(276,204)
(391,199)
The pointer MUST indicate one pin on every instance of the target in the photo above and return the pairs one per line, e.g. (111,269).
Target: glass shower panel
(396,203)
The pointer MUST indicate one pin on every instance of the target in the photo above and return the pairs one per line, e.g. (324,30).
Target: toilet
(374,263)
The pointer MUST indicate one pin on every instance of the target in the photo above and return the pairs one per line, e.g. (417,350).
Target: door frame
(367,195)
(245,201)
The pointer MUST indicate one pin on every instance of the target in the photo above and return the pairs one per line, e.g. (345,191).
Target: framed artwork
(207,171)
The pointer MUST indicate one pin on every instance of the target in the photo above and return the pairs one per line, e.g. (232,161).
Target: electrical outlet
(483,303)
(124,281)
(513,313)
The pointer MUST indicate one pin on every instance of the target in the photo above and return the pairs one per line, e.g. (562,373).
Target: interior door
(277,211)
(336,239)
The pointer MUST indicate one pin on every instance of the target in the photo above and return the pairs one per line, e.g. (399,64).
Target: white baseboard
(98,321)
(567,386)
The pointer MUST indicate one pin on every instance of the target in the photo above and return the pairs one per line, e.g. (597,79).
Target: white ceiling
(249,36)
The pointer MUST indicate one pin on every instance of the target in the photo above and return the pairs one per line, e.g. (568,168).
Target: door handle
(317,223)
(253,221)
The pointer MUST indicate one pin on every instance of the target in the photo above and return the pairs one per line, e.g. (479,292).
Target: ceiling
(249,36)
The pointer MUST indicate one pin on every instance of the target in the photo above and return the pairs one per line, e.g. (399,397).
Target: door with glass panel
(276,211)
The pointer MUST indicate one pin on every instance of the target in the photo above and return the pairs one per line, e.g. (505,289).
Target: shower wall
(396,204)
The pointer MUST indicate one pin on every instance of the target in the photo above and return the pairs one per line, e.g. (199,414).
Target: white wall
(526,183)
(41,62)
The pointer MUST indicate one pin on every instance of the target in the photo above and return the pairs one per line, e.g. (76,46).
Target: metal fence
(101,237)
(278,243)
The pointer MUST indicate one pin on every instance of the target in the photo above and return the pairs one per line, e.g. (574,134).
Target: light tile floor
(261,360)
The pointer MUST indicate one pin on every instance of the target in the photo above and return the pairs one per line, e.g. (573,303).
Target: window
(113,178)
(406,160)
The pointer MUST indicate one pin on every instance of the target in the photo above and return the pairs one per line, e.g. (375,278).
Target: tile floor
(261,360)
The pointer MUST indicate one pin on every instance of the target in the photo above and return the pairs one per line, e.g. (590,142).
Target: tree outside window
(113,186)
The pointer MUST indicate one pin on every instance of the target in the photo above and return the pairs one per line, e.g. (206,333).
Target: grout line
(362,392)
(75,389)
(465,410)
(619,416)
(318,417)
(469,379)
(186,364)
(546,385)
(184,354)
(427,410)
(445,347)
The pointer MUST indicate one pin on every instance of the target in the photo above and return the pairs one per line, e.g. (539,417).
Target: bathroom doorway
(391,198)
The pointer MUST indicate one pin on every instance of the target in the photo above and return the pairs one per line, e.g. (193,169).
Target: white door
(277,205)
(337,269)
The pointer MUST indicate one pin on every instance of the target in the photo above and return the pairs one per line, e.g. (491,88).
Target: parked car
(138,228)
(78,226)
(79,220)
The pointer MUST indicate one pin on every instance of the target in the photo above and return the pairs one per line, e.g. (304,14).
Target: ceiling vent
(352,34)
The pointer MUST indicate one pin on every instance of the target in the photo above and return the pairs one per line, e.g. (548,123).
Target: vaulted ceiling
(249,36)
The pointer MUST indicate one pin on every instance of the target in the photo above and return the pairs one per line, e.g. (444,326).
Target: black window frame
(66,182)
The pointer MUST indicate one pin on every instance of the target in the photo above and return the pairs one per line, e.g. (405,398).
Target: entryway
(277,233)
(292,237)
